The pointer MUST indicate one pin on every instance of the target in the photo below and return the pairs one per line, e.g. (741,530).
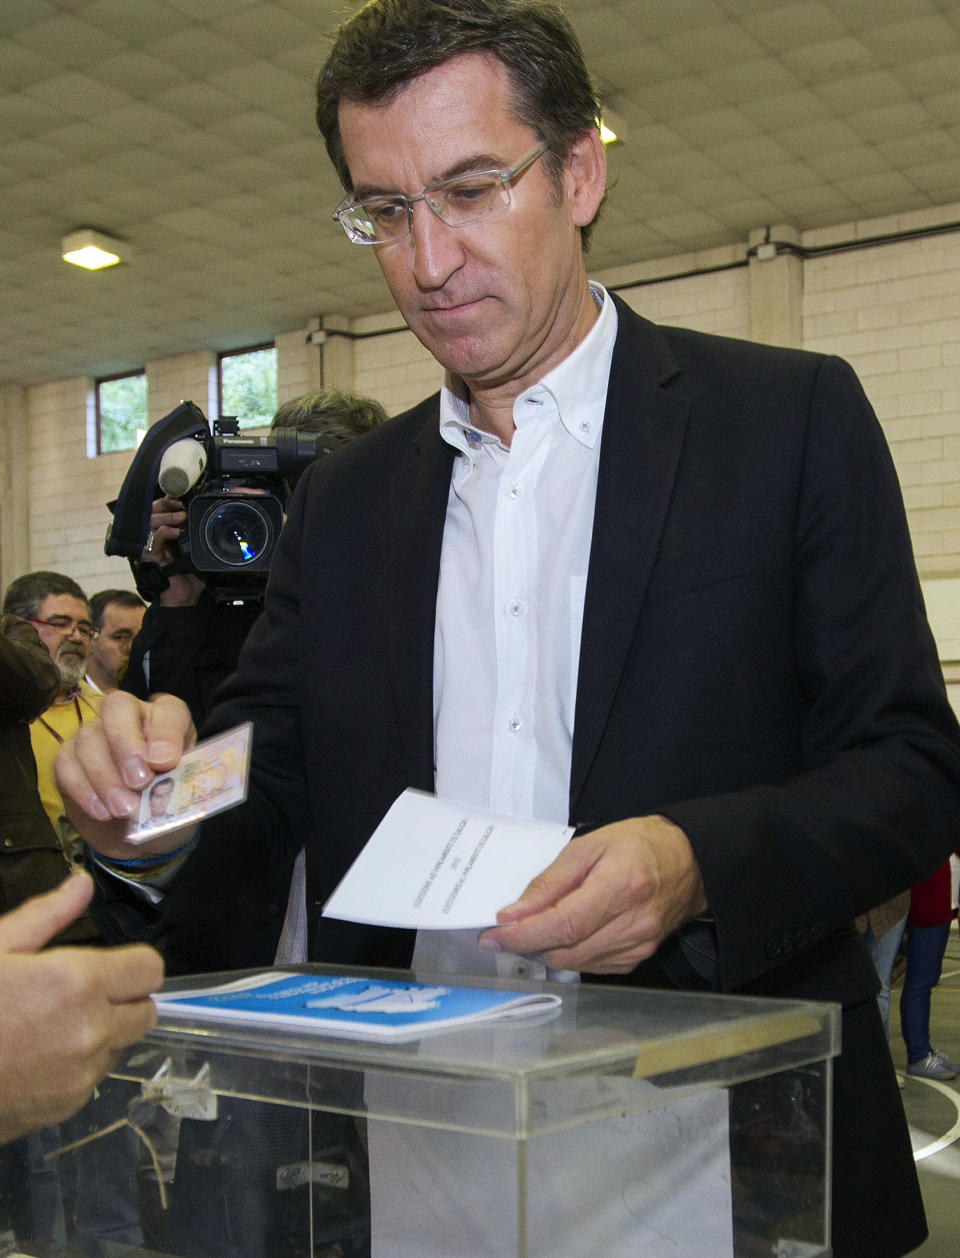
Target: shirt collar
(576,389)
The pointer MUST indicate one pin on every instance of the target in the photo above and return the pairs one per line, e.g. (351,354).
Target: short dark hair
(25,594)
(330,411)
(388,43)
(103,598)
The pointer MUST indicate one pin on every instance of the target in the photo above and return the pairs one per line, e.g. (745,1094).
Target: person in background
(117,616)
(189,643)
(649,582)
(105,1170)
(67,1011)
(928,929)
(32,860)
(882,929)
(58,608)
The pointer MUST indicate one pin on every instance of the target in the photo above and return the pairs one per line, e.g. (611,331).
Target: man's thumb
(36,921)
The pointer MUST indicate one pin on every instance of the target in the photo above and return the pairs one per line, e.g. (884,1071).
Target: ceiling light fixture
(93,249)
(613,130)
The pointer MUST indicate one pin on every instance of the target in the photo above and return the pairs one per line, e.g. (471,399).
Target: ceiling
(186,127)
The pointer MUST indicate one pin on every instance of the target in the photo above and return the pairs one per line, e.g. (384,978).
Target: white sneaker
(933,1066)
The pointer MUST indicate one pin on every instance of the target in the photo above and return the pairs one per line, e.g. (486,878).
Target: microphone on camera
(128,530)
(182,466)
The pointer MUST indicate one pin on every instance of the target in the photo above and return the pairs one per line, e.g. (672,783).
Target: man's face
(159,798)
(110,649)
(502,300)
(68,650)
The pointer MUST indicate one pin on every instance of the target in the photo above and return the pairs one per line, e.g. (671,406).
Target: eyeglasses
(66,625)
(464,199)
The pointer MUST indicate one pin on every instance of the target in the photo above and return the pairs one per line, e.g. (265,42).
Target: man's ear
(585,176)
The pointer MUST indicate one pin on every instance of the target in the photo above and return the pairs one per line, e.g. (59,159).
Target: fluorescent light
(92,249)
(613,129)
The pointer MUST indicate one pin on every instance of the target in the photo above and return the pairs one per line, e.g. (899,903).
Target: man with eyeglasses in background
(650,582)
(58,609)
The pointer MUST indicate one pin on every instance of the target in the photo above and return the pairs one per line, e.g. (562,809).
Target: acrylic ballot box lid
(607,1049)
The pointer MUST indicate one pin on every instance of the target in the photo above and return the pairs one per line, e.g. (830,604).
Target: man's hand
(608,901)
(167,517)
(102,772)
(67,1012)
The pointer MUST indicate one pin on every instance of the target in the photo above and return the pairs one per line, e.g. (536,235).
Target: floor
(933,1112)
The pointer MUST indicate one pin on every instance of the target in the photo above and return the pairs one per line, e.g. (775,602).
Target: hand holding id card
(210,777)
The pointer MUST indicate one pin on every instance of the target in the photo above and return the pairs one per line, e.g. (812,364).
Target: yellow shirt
(60,722)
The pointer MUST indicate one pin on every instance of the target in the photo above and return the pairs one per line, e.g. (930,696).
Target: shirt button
(514,725)
(515,608)
(585,426)
(521,970)
(516,491)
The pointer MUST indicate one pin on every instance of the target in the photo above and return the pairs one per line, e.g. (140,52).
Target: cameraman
(189,642)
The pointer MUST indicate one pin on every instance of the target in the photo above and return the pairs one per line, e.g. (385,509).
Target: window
(121,411)
(248,385)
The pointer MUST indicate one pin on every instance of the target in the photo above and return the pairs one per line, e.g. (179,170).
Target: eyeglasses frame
(506,177)
(83,627)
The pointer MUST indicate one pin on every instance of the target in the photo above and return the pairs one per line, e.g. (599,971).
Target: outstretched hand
(68,1012)
(102,772)
(608,900)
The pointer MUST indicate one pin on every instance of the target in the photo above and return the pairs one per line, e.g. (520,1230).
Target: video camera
(234,487)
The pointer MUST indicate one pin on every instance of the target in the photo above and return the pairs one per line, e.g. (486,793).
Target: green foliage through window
(121,411)
(248,386)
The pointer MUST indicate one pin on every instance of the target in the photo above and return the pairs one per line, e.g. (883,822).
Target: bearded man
(57,607)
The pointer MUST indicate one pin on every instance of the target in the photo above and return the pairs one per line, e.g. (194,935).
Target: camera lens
(237,533)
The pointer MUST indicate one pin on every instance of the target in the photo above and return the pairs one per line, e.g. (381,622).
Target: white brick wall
(298,365)
(715,301)
(393,367)
(893,310)
(68,490)
(183,378)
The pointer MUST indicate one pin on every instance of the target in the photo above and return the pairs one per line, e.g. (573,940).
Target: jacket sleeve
(226,907)
(28,676)
(877,805)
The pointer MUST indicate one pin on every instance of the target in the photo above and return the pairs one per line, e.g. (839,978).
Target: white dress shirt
(513,575)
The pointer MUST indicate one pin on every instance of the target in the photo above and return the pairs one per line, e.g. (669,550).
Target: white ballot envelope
(435,864)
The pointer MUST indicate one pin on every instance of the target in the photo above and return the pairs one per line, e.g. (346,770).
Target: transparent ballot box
(625,1122)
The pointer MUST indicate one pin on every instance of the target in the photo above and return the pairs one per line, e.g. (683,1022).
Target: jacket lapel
(418,504)
(643,432)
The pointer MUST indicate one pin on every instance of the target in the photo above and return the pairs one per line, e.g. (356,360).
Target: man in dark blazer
(761,745)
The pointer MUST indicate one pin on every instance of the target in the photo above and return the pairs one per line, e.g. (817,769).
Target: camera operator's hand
(102,772)
(167,517)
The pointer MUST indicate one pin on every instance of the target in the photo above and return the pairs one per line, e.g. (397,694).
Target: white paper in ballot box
(638,1185)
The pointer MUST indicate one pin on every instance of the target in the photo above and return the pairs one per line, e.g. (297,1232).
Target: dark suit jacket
(756,665)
